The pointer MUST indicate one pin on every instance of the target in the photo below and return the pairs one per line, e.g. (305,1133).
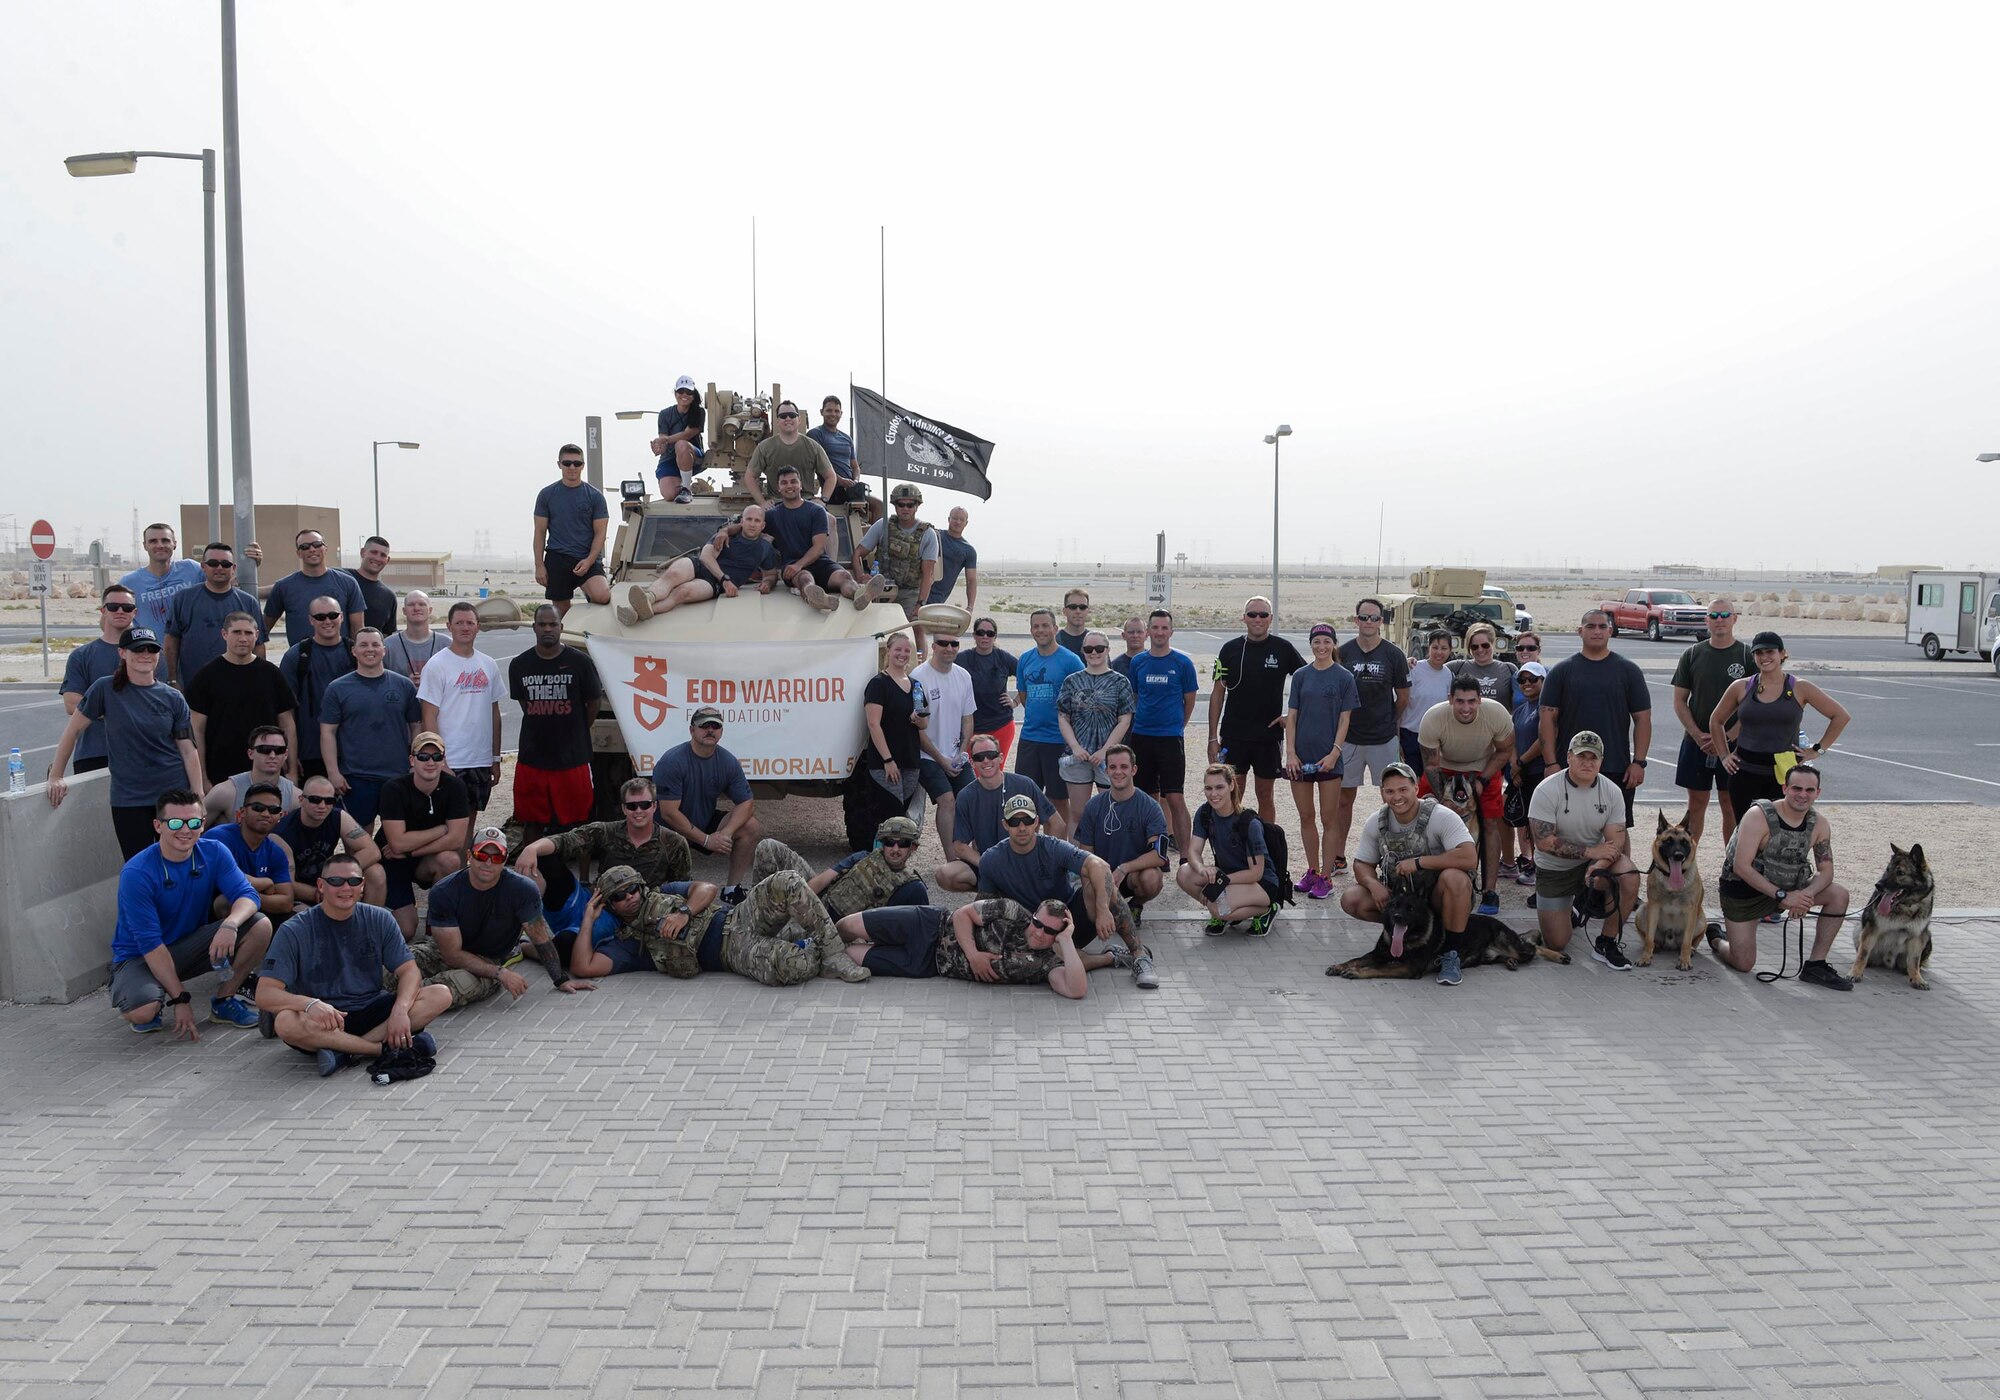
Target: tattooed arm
(1547,840)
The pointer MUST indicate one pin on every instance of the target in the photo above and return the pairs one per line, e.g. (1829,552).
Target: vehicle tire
(1653,632)
(1932,650)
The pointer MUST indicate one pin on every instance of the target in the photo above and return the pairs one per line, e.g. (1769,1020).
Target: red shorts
(1492,798)
(1004,737)
(552,796)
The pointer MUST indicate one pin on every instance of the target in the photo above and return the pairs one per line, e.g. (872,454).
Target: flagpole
(753,306)
(882,282)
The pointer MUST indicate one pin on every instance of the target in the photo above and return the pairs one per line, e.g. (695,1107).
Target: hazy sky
(1607,283)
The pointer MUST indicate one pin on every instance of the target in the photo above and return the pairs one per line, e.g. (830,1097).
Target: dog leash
(1785,949)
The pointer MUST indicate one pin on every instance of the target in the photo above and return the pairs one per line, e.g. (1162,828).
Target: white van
(1954,612)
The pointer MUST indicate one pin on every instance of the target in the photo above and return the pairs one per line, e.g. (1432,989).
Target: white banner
(790,710)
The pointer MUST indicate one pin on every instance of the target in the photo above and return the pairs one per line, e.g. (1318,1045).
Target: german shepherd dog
(1895,929)
(1671,916)
(1412,941)
(1461,793)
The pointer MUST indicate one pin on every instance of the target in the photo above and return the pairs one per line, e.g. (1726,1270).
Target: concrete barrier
(58,891)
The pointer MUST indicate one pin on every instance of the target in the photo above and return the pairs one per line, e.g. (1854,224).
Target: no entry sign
(42,539)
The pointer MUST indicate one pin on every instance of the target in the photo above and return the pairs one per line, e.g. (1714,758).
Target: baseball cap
(139,639)
(1535,668)
(704,715)
(1764,641)
(1587,741)
(1017,804)
(427,736)
(1321,629)
(490,836)
(900,827)
(617,878)
(686,381)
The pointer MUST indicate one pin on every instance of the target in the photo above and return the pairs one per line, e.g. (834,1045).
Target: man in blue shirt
(1125,828)
(96,660)
(162,579)
(196,616)
(843,484)
(165,896)
(570,520)
(803,534)
(1029,867)
(263,859)
(293,596)
(691,778)
(956,555)
(1164,686)
(1038,678)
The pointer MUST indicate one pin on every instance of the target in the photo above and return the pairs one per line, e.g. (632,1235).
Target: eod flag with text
(889,440)
(789,709)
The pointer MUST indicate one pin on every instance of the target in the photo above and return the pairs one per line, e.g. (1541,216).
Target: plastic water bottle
(1804,743)
(17,772)
(1306,770)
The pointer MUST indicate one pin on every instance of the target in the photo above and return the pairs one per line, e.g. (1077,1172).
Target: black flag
(892,441)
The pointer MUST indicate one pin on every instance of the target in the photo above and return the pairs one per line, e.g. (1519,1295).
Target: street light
(385,442)
(1284,431)
(1989,456)
(124,163)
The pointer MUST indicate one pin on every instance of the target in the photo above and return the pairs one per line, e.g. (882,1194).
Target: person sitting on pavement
(321,983)
(1093,711)
(727,564)
(638,841)
(264,861)
(678,443)
(270,755)
(903,550)
(1410,835)
(1471,736)
(1127,830)
(863,880)
(976,822)
(692,778)
(317,828)
(802,531)
(424,816)
(1029,867)
(1780,860)
(366,720)
(166,933)
(477,918)
(1238,885)
(988,940)
(1577,820)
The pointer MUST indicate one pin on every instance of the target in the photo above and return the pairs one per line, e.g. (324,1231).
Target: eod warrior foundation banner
(790,710)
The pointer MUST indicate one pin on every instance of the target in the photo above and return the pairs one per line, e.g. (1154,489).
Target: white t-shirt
(1447,832)
(1428,687)
(1581,815)
(465,689)
(950,696)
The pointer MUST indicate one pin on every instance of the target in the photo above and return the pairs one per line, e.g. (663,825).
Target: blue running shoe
(332,1062)
(158,1023)
(232,1011)
(1489,903)
(1448,971)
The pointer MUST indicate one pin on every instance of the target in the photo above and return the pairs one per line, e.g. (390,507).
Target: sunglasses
(985,757)
(310,544)
(143,649)
(326,617)
(950,645)
(1076,607)
(1256,614)
(490,857)
(566,463)
(1368,617)
(1095,651)
(788,414)
(977,633)
(317,800)
(267,808)
(121,607)
(1527,646)
(714,724)
(1047,928)
(182,823)
(1482,646)
(641,806)
(1719,616)
(900,843)
(342,882)
(429,756)
(267,749)
(1021,821)
(628,892)
(218,563)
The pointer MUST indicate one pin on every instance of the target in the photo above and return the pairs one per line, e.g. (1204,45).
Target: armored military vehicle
(1449,599)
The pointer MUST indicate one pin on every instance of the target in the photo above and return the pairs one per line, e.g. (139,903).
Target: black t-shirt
(312,846)
(1254,674)
(1378,675)
(1601,696)
(897,707)
(235,700)
(990,674)
(489,922)
(424,811)
(554,697)
(378,603)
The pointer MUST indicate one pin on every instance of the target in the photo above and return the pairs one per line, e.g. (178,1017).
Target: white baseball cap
(1535,668)
(686,382)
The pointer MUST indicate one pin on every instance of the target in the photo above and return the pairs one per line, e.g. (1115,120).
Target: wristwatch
(182,1000)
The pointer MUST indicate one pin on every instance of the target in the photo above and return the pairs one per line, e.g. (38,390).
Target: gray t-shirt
(1092,704)
(1447,832)
(696,783)
(340,961)
(288,795)
(976,821)
(1043,873)
(572,513)
(195,616)
(1581,815)
(291,598)
(141,726)
(1119,831)
(1321,698)
(371,716)
(1496,680)
(95,660)
(955,555)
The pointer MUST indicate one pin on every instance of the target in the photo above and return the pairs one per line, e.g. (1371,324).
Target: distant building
(1902,570)
(407,571)
(275,527)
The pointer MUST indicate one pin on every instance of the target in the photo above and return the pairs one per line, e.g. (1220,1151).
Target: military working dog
(1412,941)
(1671,916)
(1895,929)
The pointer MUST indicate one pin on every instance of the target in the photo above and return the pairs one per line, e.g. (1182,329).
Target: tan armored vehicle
(1449,599)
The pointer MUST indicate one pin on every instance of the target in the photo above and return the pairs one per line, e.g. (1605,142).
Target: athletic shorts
(363,800)
(1557,884)
(400,873)
(478,785)
(1075,770)
(1741,903)
(552,796)
(1266,757)
(1371,759)
(936,781)
(361,1019)
(1697,771)
(1492,797)
(133,984)
(822,571)
(563,581)
(905,938)
(1161,760)
(670,465)
(1004,737)
(847,492)
(1043,763)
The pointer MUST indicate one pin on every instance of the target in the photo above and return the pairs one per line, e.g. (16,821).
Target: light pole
(124,163)
(385,442)
(1284,431)
(1989,456)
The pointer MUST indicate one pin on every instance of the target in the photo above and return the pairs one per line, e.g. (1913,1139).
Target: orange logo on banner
(649,677)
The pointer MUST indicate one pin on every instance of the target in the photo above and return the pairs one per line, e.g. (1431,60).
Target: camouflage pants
(773,855)
(466,988)
(762,936)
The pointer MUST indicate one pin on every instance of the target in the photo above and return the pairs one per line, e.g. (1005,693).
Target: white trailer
(1954,612)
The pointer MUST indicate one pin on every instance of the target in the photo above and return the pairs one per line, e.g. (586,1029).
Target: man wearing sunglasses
(692,779)
(197,617)
(988,940)
(571,518)
(269,750)
(944,770)
(425,813)
(315,831)
(263,860)
(1030,868)
(96,660)
(789,448)
(1705,671)
(366,722)
(166,896)
(975,825)
(312,664)
(866,879)
(297,595)
(477,917)
(637,841)
(236,693)
(1246,705)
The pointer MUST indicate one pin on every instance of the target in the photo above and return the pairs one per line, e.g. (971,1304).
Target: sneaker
(1215,926)
(333,1061)
(158,1023)
(1339,866)
(232,1011)
(626,617)
(735,894)
(1143,975)
(686,498)
(1607,951)
(878,590)
(519,954)
(1776,916)
(1325,888)
(1489,902)
(424,1044)
(1448,972)
(639,601)
(816,596)
(1121,957)
(1820,975)
(1531,901)
(1260,926)
(1524,873)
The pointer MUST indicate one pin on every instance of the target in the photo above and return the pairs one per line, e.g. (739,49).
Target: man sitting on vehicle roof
(732,561)
(801,530)
(905,550)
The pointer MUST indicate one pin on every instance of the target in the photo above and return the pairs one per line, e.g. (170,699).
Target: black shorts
(1265,756)
(708,576)
(1042,762)
(478,786)
(1697,771)
(905,938)
(847,493)
(822,571)
(1161,760)
(936,781)
(363,1018)
(563,580)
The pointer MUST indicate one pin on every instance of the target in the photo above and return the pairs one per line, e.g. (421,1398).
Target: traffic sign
(38,577)
(1159,590)
(42,539)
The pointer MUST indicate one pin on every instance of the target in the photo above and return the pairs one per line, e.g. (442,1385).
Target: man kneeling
(989,940)
(321,987)
(1780,859)
(1412,834)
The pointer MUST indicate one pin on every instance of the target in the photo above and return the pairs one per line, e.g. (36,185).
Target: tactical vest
(1393,846)
(677,957)
(867,884)
(1786,860)
(903,556)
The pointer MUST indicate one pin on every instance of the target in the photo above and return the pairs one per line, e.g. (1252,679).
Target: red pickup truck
(1659,613)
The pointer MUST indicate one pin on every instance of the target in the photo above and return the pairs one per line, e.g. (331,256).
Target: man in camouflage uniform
(988,940)
(779,934)
(904,550)
(864,880)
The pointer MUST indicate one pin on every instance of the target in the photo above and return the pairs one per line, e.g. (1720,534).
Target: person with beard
(864,880)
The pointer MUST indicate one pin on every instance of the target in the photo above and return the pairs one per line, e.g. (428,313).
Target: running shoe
(686,498)
(158,1023)
(332,1062)
(1448,970)
(1607,951)
(1215,926)
(1489,902)
(1524,872)
(1143,975)
(1820,975)
(232,1011)
(424,1044)
(1339,866)
(1260,926)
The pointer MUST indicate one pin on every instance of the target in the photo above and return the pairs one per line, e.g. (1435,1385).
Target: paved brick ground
(1255,1181)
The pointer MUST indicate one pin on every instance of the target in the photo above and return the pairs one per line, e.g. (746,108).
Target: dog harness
(1406,844)
(1786,860)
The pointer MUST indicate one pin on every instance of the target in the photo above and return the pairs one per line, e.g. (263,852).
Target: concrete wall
(58,891)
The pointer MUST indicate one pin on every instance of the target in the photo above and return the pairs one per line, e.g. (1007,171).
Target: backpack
(1277,854)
